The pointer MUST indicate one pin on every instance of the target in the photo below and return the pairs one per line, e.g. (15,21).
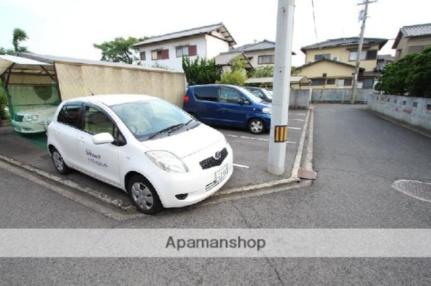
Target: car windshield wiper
(168,129)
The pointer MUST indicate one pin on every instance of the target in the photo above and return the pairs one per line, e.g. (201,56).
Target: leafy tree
(200,71)
(237,75)
(266,71)
(410,75)
(118,50)
(19,36)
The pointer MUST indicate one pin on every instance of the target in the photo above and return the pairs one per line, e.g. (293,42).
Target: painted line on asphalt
(241,166)
(294,128)
(301,120)
(255,138)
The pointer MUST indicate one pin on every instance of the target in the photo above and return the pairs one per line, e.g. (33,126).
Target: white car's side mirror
(103,138)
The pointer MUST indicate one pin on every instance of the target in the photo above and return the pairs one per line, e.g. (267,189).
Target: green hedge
(409,76)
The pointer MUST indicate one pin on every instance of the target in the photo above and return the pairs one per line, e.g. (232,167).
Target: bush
(237,75)
(410,75)
(267,71)
(200,71)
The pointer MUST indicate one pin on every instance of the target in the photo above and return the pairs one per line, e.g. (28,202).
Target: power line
(314,18)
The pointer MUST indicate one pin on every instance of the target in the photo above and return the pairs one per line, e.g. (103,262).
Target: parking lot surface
(250,157)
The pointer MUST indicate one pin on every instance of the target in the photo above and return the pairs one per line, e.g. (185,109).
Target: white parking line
(302,120)
(241,166)
(294,128)
(255,138)
(300,114)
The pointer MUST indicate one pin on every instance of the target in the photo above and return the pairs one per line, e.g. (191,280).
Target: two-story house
(167,50)
(412,39)
(258,54)
(331,64)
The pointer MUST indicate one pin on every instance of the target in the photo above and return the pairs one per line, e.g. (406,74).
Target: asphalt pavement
(357,155)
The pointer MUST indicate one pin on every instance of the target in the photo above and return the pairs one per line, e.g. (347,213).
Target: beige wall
(405,43)
(255,54)
(332,70)
(342,55)
(78,80)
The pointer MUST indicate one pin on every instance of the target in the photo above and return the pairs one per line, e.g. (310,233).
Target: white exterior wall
(173,62)
(207,47)
(215,46)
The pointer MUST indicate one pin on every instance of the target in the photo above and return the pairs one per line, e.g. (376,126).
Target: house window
(372,55)
(354,55)
(160,54)
(322,57)
(330,81)
(265,60)
(142,56)
(186,51)
(347,82)
(365,55)
(317,81)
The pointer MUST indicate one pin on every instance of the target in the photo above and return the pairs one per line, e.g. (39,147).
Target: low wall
(76,80)
(299,99)
(415,111)
(338,95)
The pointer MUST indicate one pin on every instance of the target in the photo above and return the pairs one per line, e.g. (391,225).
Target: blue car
(228,105)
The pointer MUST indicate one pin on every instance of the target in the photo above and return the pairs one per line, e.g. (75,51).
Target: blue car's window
(229,95)
(208,93)
(250,95)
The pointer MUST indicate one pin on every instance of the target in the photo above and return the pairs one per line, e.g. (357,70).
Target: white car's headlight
(167,161)
(266,110)
(30,118)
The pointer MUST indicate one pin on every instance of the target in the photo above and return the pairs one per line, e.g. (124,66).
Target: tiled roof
(263,45)
(220,27)
(344,42)
(413,31)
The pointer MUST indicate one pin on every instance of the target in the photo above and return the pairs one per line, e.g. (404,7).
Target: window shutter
(192,51)
(165,54)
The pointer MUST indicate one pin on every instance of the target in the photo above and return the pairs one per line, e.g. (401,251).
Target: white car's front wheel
(143,195)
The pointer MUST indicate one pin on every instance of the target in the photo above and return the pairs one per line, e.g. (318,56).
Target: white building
(167,50)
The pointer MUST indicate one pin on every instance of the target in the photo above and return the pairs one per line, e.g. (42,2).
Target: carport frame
(6,75)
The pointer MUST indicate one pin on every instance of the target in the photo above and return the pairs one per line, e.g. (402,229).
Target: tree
(237,75)
(266,71)
(118,50)
(410,75)
(19,36)
(200,71)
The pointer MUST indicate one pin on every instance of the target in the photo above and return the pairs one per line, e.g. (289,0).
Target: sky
(70,28)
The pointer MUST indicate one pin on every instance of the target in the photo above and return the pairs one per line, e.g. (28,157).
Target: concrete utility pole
(360,46)
(280,100)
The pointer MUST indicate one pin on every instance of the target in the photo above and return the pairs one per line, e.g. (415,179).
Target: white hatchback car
(144,145)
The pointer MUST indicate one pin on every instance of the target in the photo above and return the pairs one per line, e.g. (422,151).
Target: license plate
(221,174)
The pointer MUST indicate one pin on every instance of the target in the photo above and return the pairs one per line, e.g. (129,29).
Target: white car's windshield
(151,118)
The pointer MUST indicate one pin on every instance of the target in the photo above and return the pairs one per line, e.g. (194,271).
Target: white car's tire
(143,195)
(59,163)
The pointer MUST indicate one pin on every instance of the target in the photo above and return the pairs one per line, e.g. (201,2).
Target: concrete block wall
(415,111)
(338,95)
